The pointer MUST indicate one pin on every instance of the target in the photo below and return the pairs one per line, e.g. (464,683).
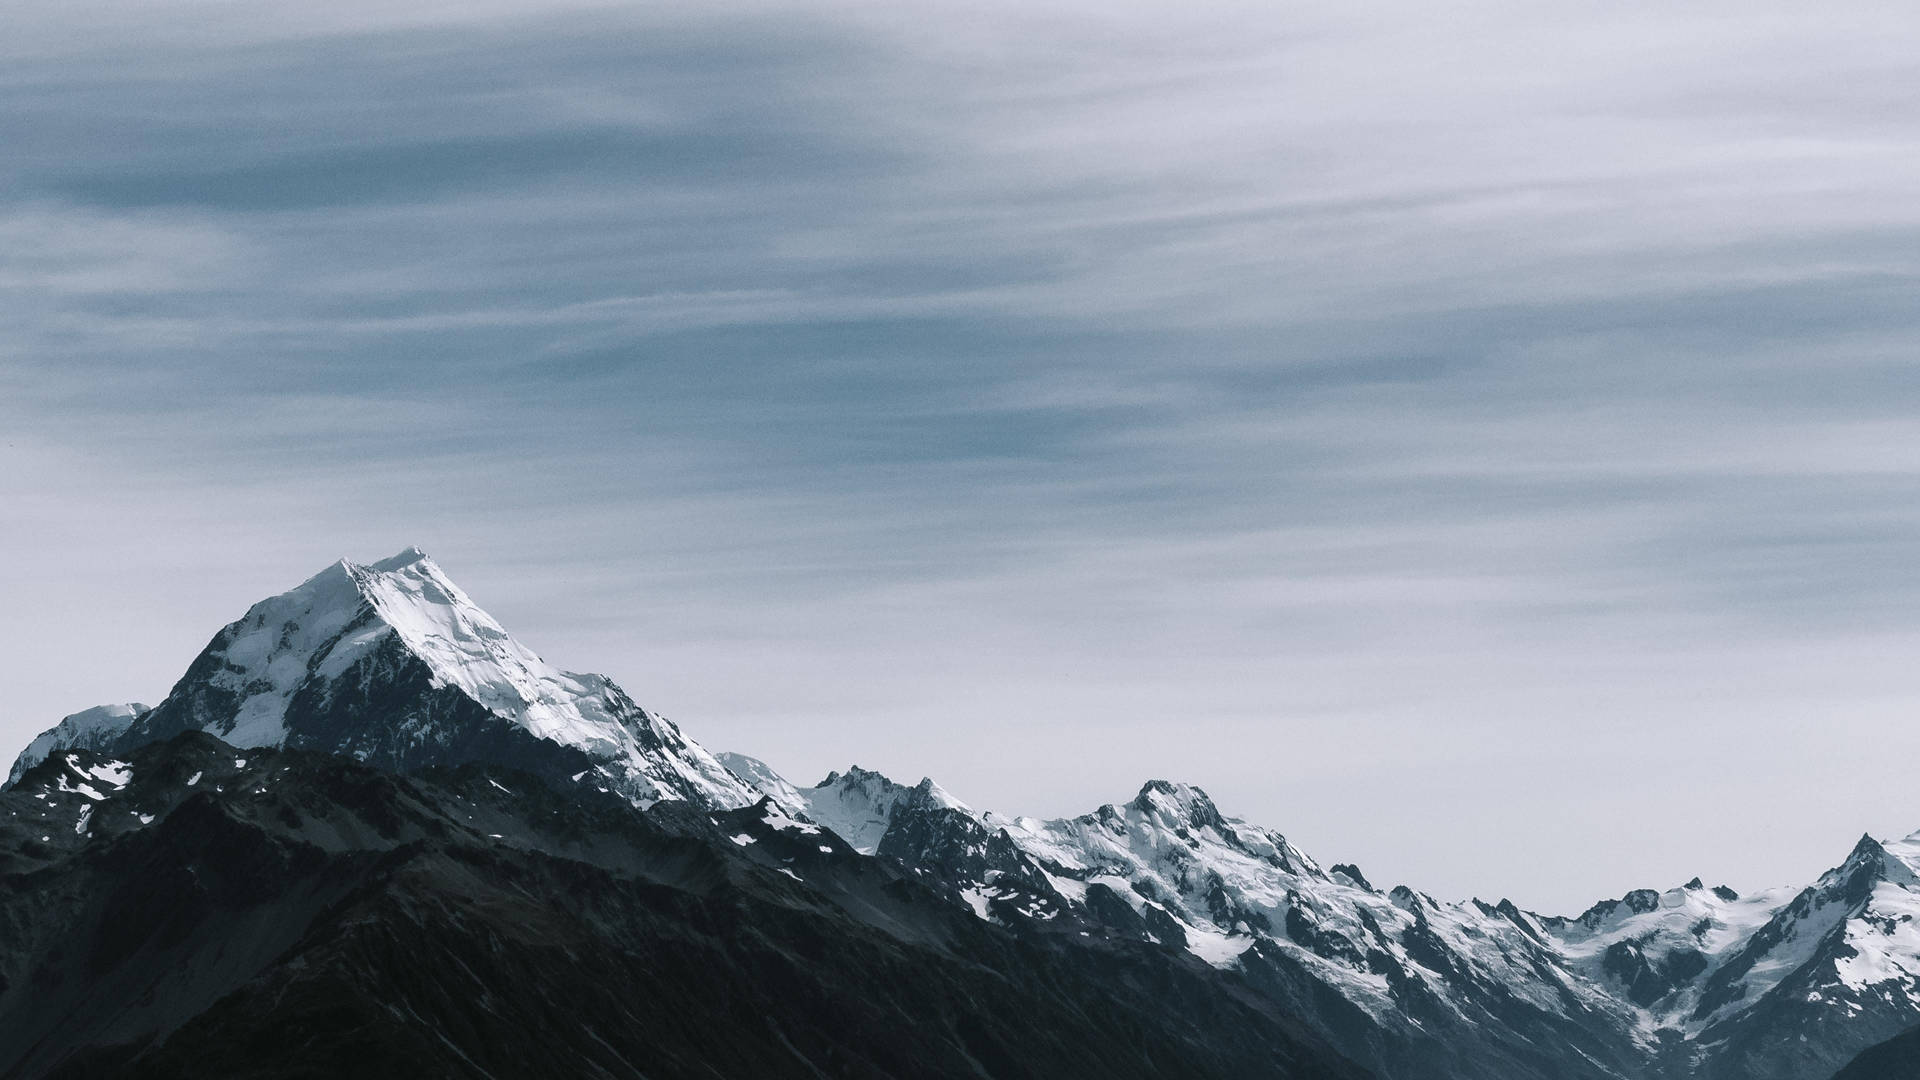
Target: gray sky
(1480,440)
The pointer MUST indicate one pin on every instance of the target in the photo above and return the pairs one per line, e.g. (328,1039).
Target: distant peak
(1181,800)
(761,777)
(1641,901)
(855,775)
(340,580)
(407,557)
(749,768)
(1868,847)
(1353,874)
(101,713)
(927,791)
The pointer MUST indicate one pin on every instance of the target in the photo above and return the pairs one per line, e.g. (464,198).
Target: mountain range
(369,832)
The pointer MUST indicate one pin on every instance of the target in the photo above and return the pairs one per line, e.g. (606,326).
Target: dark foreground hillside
(1896,1059)
(203,911)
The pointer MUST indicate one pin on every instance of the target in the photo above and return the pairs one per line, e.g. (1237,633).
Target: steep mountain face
(1834,970)
(196,909)
(1781,985)
(1653,947)
(1690,982)
(392,664)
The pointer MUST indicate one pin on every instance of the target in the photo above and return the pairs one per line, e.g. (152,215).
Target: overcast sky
(1479,440)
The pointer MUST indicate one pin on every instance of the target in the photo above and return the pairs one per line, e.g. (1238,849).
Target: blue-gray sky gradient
(1482,443)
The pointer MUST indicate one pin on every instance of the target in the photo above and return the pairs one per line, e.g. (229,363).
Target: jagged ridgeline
(369,833)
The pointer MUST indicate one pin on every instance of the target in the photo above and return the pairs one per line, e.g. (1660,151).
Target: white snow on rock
(466,648)
(1223,885)
(763,779)
(778,819)
(90,729)
(977,900)
(1885,936)
(1226,885)
(112,773)
(859,804)
(1850,940)
(1662,926)
(305,640)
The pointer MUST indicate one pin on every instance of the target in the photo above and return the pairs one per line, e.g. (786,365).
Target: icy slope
(1834,970)
(1882,942)
(392,663)
(860,805)
(89,729)
(761,777)
(1475,979)
(1654,948)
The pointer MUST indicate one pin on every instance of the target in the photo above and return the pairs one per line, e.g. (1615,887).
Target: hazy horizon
(1482,444)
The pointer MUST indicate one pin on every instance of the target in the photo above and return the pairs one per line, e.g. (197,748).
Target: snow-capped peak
(860,804)
(467,648)
(89,729)
(326,624)
(387,661)
(407,556)
(1177,805)
(1897,861)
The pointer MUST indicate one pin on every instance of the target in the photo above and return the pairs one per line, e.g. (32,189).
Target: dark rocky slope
(202,911)
(1896,1059)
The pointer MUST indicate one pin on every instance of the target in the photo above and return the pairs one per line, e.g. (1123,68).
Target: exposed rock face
(202,910)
